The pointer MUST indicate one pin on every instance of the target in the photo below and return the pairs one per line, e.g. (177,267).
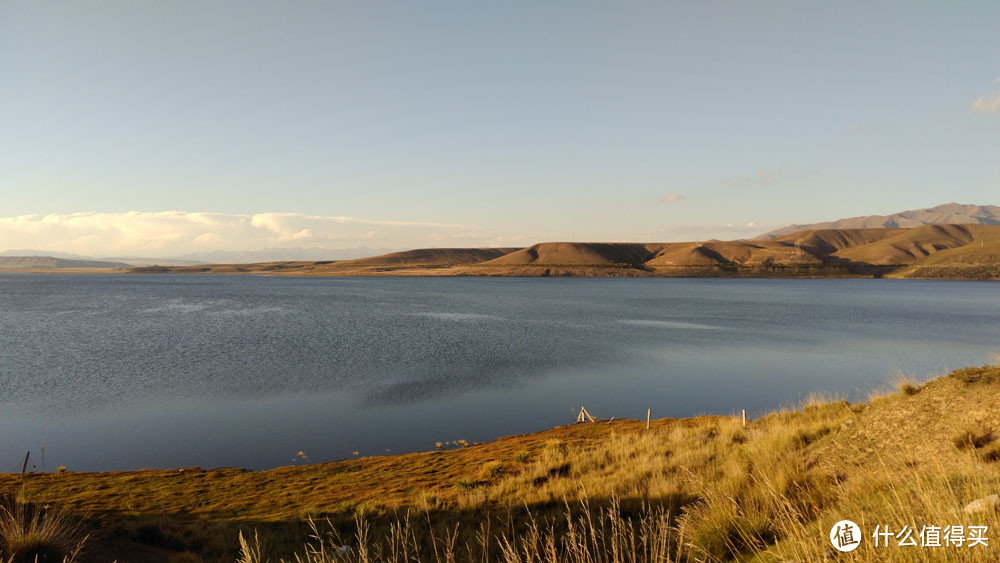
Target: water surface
(124,371)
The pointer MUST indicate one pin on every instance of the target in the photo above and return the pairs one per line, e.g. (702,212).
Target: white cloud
(987,105)
(670,198)
(171,233)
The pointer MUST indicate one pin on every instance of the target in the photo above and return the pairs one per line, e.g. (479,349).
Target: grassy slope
(934,251)
(770,489)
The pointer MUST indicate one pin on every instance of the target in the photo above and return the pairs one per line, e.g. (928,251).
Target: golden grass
(703,489)
(30,533)
(906,383)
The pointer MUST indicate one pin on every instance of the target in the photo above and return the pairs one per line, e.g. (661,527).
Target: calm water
(168,371)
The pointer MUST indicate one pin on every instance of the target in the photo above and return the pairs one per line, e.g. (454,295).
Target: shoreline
(823,459)
(293,269)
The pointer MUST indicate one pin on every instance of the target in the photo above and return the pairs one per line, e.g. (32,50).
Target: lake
(126,371)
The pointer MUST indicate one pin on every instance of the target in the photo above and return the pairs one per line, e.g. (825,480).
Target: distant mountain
(51,263)
(130,260)
(949,213)
(141,261)
(219,256)
(44,253)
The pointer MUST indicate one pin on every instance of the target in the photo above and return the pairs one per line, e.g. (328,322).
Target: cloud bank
(174,233)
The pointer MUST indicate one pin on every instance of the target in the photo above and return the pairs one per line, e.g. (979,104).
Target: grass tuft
(30,533)
(906,384)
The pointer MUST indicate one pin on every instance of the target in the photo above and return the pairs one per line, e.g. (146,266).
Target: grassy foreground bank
(699,489)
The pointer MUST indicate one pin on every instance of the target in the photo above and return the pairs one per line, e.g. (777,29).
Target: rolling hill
(579,254)
(433,257)
(963,251)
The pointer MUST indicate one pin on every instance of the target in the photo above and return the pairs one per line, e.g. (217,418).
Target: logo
(845,535)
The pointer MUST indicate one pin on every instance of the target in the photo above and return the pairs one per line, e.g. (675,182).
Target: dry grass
(906,383)
(30,533)
(720,492)
(705,489)
(581,535)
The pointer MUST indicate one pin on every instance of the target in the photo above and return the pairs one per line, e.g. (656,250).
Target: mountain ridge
(948,213)
(52,263)
(965,251)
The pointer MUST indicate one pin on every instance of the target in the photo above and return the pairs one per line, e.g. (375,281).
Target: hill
(949,213)
(431,257)
(50,263)
(931,251)
(578,254)
(427,261)
(701,489)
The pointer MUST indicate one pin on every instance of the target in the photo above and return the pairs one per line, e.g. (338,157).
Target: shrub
(30,533)
(906,384)
(493,470)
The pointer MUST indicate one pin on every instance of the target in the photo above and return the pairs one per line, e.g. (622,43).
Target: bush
(907,384)
(30,533)
(493,470)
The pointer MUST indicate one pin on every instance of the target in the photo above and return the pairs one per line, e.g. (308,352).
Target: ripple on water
(459,317)
(668,324)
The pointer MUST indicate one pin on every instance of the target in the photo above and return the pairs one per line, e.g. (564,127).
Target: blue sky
(171,126)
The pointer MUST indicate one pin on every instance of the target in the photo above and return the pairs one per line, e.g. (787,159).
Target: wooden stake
(25,466)
(647,418)
(744,418)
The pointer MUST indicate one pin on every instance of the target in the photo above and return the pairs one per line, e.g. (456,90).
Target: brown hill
(949,213)
(907,246)
(931,251)
(579,254)
(828,241)
(432,256)
(734,253)
(980,259)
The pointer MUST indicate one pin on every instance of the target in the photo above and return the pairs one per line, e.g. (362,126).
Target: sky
(165,128)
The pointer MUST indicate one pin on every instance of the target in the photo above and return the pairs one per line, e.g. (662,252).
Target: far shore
(946,252)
